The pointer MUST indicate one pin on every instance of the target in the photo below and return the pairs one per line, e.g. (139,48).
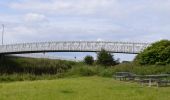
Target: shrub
(158,53)
(87,71)
(106,72)
(160,63)
(89,60)
(12,65)
(105,58)
(81,70)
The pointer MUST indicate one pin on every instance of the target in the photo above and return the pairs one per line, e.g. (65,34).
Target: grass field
(82,88)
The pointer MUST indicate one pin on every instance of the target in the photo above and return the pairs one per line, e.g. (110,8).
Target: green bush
(105,58)
(160,63)
(86,71)
(106,72)
(89,60)
(158,53)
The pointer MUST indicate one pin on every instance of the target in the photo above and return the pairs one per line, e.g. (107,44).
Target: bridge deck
(73,46)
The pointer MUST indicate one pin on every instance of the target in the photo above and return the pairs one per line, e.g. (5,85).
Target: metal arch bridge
(73,46)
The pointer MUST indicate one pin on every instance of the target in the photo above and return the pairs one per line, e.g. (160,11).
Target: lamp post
(3,33)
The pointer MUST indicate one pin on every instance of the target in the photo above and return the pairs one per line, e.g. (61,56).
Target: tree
(105,58)
(157,53)
(89,60)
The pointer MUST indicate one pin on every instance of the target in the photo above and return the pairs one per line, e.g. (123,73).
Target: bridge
(73,46)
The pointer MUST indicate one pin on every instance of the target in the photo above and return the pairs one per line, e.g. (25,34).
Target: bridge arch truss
(74,46)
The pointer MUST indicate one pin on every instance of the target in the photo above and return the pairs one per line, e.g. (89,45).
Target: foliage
(84,70)
(21,69)
(105,58)
(12,65)
(106,72)
(81,70)
(158,53)
(28,77)
(142,70)
(87,71)
(89,60)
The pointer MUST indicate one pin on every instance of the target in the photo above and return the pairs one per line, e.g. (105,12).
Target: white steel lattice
(74,46)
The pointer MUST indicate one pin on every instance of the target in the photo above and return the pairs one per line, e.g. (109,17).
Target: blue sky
(107,20)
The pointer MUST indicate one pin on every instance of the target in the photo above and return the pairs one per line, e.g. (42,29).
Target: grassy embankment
(21,69)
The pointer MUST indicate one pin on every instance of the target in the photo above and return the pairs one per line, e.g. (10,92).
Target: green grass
(81,88)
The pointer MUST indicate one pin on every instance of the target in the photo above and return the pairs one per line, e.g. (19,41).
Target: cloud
(76,7)
(101,8)
(113,20)
(34,17)
(99,39)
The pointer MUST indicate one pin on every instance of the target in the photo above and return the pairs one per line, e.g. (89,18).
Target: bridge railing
(74,46)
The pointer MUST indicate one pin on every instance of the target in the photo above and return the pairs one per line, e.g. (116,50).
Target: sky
(85,20)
